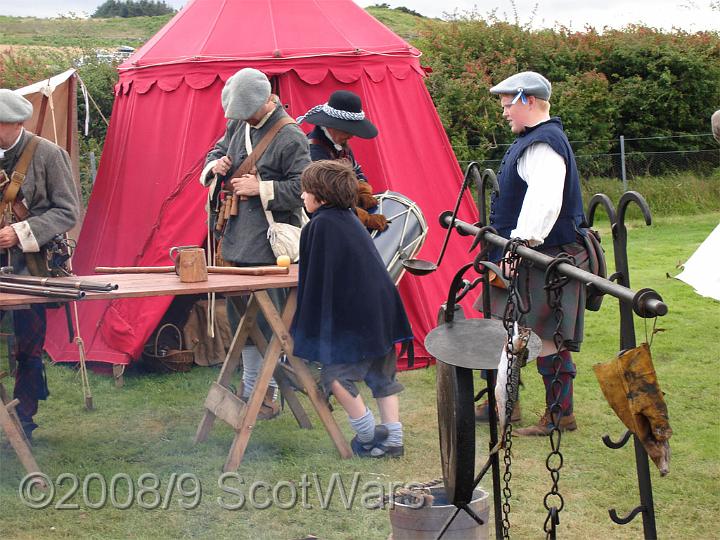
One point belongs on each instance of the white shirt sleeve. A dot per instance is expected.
(28, 242)
(543, 170)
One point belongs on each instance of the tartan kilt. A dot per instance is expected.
(540, 317)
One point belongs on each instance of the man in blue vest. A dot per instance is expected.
(540, 202)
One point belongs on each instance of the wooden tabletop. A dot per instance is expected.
(137, 285)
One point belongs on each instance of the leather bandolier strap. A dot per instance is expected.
(227, 207)
(17, 177)
(249, 162)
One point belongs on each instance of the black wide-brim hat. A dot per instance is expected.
(343, 111)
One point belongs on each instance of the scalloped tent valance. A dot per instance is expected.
(310, 75)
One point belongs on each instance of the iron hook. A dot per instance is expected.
(627, 519)
(633, 196)
(600, 199)
(619, 444)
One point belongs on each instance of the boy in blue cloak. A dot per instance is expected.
(349, 314)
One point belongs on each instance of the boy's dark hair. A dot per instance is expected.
(331, 181)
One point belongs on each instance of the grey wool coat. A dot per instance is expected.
(49, 193)
(245, 239)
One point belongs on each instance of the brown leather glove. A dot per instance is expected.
(365, 196)
(376, 222)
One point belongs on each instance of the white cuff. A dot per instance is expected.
(267, 192)
(204, 178)
(28, 242)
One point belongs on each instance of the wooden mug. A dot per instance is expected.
(190, 263)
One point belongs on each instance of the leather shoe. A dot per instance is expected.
(269, 408)
(482, 415)
(28, 428)
(545, 426)
(364, 449)
(381, 451)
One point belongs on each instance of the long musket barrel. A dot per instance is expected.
(58, 283)
(36, 290)
(237, 270)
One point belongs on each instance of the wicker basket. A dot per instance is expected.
(168, 360)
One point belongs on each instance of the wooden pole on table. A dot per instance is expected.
(237, 270)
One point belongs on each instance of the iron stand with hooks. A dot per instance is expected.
(645, 303)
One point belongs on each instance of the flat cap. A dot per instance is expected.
(244, 93)
(527, 82)
(13, 107)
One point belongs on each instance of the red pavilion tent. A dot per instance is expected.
(167, 115)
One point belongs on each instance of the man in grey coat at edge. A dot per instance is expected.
(248, 102)
(50, 196)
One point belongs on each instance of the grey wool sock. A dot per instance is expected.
(395, 434)
(364, 426)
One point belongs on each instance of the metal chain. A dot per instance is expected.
(514, 312)
(553, 500)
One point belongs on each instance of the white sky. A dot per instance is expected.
(689, 15)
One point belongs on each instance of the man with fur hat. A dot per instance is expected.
(45, 204)
(540, 202)
(336, 122)
(273, 184)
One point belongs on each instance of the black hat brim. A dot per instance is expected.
(364, 129)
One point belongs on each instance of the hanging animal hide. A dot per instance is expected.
(631, 388)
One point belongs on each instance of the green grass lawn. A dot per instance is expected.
(148, 427)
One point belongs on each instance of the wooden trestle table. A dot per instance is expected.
(221, 401)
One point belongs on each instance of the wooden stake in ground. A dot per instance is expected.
(87, 393)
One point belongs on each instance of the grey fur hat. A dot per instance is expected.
(526, 83)
(244, 93)
(14, 107)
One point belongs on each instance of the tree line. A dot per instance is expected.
(131, 8)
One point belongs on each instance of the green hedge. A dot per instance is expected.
(637, 82)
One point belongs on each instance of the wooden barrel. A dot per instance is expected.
(424, 523)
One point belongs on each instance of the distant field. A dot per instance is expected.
(77, 32)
